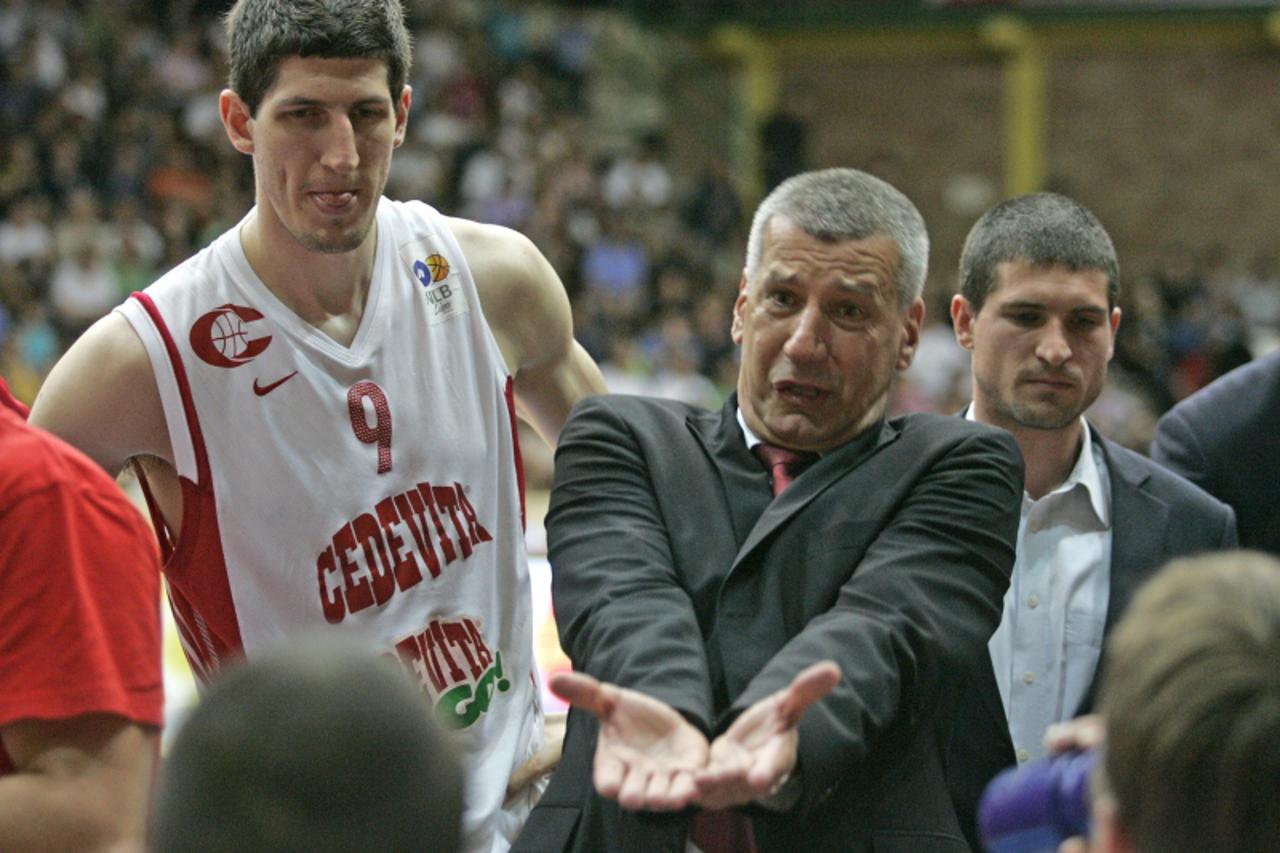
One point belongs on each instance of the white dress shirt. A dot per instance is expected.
(1046, 650)
(751, 438)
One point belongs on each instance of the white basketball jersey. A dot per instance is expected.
(373, 490)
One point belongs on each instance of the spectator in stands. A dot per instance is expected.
(24, 237)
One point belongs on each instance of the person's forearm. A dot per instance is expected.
(41, 813)
(81, 784)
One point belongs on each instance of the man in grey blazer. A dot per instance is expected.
(776, 668)
(1225, 438)
(1039, 280)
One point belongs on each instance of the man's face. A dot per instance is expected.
(1040, 345)
(822, 337)
(321, 145)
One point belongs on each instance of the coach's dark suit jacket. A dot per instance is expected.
(1155, 516)
(1225, 438)
(677, 574)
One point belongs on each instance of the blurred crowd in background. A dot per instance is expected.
(114, 167)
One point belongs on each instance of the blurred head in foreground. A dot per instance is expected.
(316, 748)
(1191, 698)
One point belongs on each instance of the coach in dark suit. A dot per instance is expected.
(1225, 438)
(1037, 309)
(694, 602)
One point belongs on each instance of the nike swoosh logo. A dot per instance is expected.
(264, 390)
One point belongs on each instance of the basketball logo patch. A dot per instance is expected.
(441, 287)
(435, 268)
(221, 337)
(439, 267)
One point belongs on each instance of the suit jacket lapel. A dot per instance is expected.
(743, 479)
(814, 481)
(1137, 517)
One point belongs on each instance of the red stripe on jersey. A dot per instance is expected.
(196, 569)
(510, 394)
(184, 386)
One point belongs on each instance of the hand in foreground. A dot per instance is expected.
(646, 753)
(1081, 733)
(544, 760)
(758, 752)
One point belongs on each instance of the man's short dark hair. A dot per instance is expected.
(1191, 696)
(317, 748)
(1040, 229)
(263, 33)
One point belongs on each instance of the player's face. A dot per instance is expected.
(1040, 344)
(822, 336)
(321, 143)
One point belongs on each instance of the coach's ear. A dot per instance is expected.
(739, 311)
(237, 120)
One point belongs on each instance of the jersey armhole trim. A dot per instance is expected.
(199, 453)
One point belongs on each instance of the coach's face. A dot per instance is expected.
(822, 337)
(1041, 344)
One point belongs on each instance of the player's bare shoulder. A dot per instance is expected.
(505, 263)
(101, 397)
(520, 293)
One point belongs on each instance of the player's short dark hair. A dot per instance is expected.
(262, 33)
(1040, 229)
(317, 748)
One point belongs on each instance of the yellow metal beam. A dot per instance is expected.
(1101, 34)
(757, 97)
(1025, 98)
(1024, 46)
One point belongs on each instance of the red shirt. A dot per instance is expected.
(79, 586)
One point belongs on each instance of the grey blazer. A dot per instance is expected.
(676, 573)
(1156, 516)
(1225, 438)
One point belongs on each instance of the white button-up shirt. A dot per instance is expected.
(1046, 650)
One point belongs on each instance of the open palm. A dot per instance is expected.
(646, 753)
(758, 752)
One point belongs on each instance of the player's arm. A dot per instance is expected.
(81, 784)
(528, 311)
(101, 397)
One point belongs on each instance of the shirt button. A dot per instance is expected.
(1028, 678)
(1023, 756)
(1033, 601)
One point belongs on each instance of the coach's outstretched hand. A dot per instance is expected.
(758, 752)
(650, 757)
(646, 754)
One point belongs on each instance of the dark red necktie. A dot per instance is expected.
(785, 465)
(729, 831)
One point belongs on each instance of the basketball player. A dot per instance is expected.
(322, 404)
